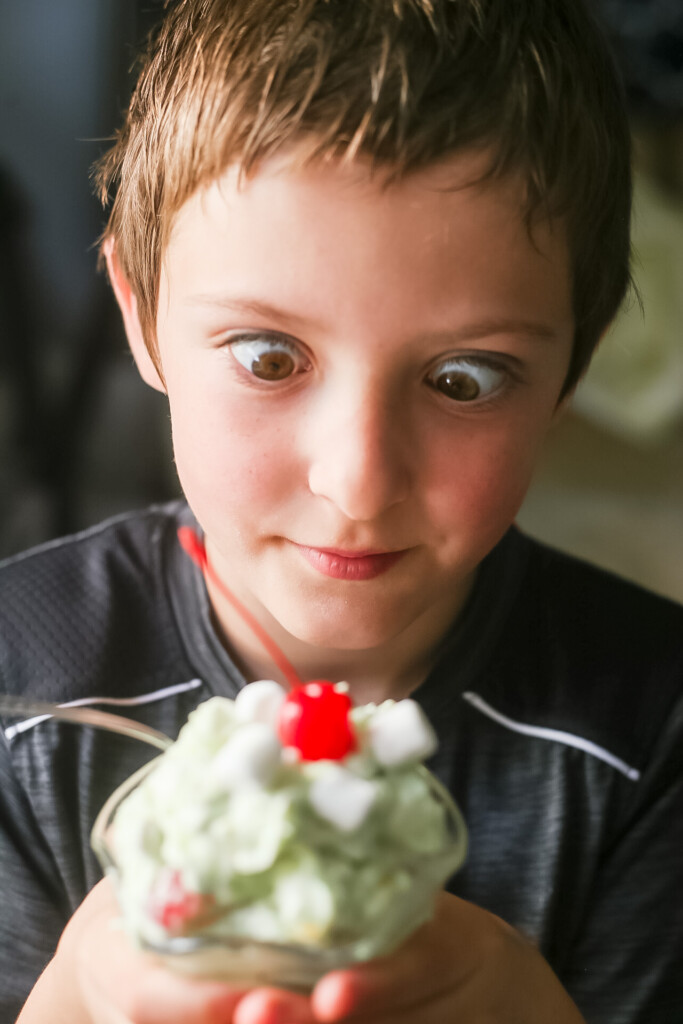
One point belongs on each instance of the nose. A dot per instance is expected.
(359, 452)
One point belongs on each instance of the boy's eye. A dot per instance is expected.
(267, 358)
(464, 379)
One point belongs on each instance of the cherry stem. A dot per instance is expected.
(193, 545)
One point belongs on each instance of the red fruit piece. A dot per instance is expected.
(173, 907)
(314, 719)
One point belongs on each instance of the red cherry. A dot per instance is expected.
(314, 719)
(174, 907)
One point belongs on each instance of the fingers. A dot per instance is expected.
(431, 961)
(465, 965)
(160, 997)
(462, 965)
(410, 976)
(439, 1009)
(274, 1006)
(121, 985)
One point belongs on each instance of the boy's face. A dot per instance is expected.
(359, 381)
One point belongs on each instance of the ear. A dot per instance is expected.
(131, 321)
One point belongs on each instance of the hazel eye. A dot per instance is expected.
(269, 359)
(466, 380)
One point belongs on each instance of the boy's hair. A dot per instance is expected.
(401, 82)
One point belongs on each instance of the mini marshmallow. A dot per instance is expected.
(251, 757)
(291, 756)
(343, 799)
(402, 734)
(260, 702)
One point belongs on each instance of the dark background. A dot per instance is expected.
(80, 436)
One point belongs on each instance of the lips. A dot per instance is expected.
(346, 565)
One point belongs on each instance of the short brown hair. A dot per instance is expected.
(403, 82)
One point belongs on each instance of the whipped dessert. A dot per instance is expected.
(292, 819)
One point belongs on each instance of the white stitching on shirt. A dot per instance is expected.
(556, 735)
(143, 698)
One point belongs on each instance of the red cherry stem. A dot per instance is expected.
(194, 546)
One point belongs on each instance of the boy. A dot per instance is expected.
(366, 249)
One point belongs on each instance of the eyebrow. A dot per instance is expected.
(487, 328)
(255, 306)
(472, 331)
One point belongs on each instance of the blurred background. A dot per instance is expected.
(82, 438)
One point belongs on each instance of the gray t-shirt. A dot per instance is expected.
(557, 698)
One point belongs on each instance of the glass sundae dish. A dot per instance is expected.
(282, 835)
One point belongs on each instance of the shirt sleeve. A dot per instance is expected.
(626, 966)
(31, 896)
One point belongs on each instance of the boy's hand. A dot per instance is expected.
(98, 977)
(465, 966)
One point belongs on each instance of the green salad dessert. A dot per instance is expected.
(292, 819)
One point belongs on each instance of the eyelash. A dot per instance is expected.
(273, 343)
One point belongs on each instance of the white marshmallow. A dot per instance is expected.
(260, 702)
(251, 757)
(343, 799)
(291, 756)
(402, 734)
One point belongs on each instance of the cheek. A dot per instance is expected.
(229, 461)
(479, 485)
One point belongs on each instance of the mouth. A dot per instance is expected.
(350, 565)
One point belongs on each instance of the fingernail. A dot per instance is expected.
(273, 1006)
(333, 997)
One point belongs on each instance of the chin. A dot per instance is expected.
(340, 631)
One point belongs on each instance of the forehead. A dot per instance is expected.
(340, 240)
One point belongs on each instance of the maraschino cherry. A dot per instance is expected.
(314, 719)
(176, 909)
